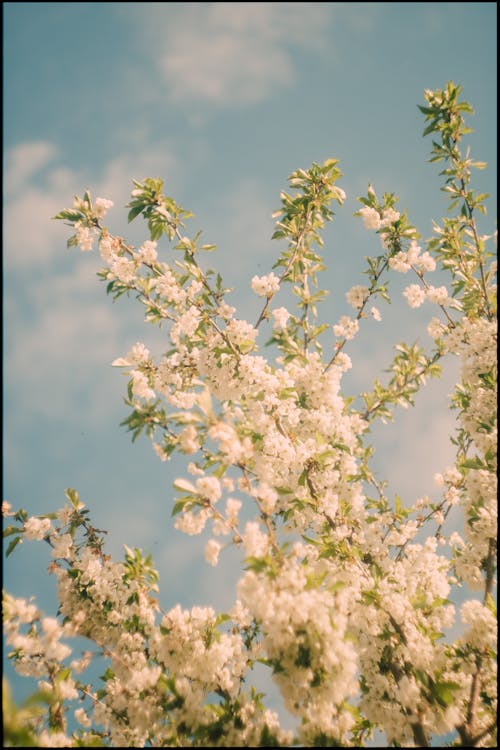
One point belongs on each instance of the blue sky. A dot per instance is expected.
(223, 101)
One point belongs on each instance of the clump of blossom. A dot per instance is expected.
(140, 386)
(438, 295)
(389, 216)
(212, 551)
(101, 207)
(415, 295)
(482, 633)
(265, 286)
(84, 237)
(240, 332)
(371, 217)
(147, 252)
(37, 528)
(346, 327)
(357, 295)
(281, 316)
(125, 270)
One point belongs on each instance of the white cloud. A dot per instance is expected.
(61, 330)
(410, 450)
(235, 52)
(24, 161)
(31, 237)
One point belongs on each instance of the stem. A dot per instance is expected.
(340, 345)
(299, 246)
(381, 402)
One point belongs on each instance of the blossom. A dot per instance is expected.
(357, 295)
(140, 386)
(61, 545)
(375, 313)
(37, 528)
(212, 550)
(389, 216)
(108, 248)
(240, 332)
(346, 327)
(256, 543)
(281, 316)
(265, 286)
(399, 262)
(414, 294)
(439, 295)
(188, 440)
(101, 206)
(209, 488)
(425, 262)
(123, 269)
(483, 625)
(84, 237)
(147, 252)
(435, 329)
(225, 311)
(82, 717)
(371, 217)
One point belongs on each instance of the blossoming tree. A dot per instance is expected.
(337, 597)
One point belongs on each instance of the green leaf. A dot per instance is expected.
(178, 506)
(9, 530)
(444, 692)
(73, 497)
(69, 214)
(13, 544)
(134, 212)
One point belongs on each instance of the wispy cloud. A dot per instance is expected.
(60, 328)
(24, 161)
(38, 187)
(234, 53)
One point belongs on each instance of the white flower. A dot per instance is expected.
(426, 262)
(37, 528)
(343, 362)
(209, 487)
(389, 217)
(188, 440)
(435, 328)
(415, 296)
(339, 194)
(140, 386)
(280, 315)
(374, 312)
(123, 269)
(241, 332)
(147, 252)
(483, 631)
(399, 262)
(212, 550)
(61, 545)
(107, 248)
(371, 217)
(190, 523)
(255, 542)
(225, 311)
(82, 717)
(357, 295)
(439, 295)
(84, 237)
(346, 327)
(265, 286)
(101, 206)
